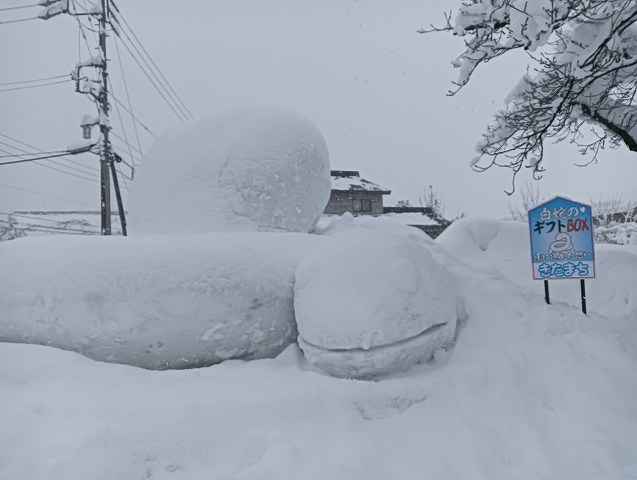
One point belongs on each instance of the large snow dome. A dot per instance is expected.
(372, 301)
(255, 169)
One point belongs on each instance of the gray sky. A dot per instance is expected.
(357, 69)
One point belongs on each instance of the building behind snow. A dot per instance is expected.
(351, 193)
(358, 196)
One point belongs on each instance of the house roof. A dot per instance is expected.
(351, 181)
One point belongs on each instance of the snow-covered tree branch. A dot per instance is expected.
(580, 84)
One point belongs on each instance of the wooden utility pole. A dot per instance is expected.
(105, 152)
(53, 8)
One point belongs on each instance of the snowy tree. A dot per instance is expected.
(529, 197)
(581, 78)
(615, 220)
(403, 203)
(431, 199)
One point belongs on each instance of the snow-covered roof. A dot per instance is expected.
(351, 181)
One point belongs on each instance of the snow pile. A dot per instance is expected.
(372, 301)
(501, 249)
(528, 391)
(153, 302)
(239, 170)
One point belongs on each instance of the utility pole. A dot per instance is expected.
(98, 90)
(105, 152)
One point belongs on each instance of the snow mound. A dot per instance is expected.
(372, 301)
(153, 302)
(502, 249)
(238, 170)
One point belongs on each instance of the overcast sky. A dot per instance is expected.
(358, 69)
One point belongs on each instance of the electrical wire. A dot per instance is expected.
(46, 195)
(139, 122)
(91, 171)
(180, 101)
(34, 153)
(54, 77)
(130, 104)
(85, 175)
(45, 157)
(156, 72)
(125, 141)
(183, 112)
(130, 152)
(20, 7)
(177, 113)
(24, 87)
(19, 20)
(56, 169)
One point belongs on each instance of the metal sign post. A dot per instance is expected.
(562, 243)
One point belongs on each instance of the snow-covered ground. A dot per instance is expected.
(528, 391)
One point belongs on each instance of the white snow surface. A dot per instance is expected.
(253, 169)
(355, 183)
(502, 250)
(527, 391)
(153, 301)
(371, 301)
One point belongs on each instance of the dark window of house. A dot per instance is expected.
(362, 205)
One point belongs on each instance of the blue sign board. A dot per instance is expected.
(562, 240)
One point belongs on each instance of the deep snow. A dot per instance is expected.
(153, 301)
(528, 391)
(250, 169)
(371, 301)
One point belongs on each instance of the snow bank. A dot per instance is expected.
(502, 250)
(372, 301)
(239, 170)
(528, 390)
(154, 302)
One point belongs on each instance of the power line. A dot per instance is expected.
(45, 157)
(180, 101)
(68, 160)
(165, 84)
(179, 115)
(33, 153)
(6, 9)
(173, 99)
(128, 145)
(130, 104)
(54, 163)
(19, 20)
(34, 122)
(56, 169)
(43, 79)
(24, 87)
(130, 152)
(46, 195)
(139, 122)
